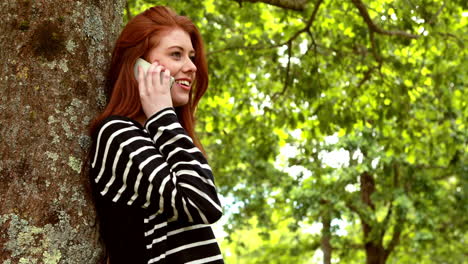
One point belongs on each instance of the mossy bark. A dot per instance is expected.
(53, 56)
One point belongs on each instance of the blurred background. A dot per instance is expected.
(337, 130)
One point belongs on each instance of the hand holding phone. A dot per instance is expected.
(145, 65)
(153, 97)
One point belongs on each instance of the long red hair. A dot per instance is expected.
(134, 42)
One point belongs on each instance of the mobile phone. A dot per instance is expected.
(145, 65)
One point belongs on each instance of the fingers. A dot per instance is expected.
(166, 76)
(155, 93)
(158, 76)
(153, 78)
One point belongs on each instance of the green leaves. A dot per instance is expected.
(295, 115)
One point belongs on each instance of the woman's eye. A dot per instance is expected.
(192, 58)
(177, 55)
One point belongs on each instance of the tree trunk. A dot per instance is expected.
(53, 58)
(326, 237)
(375, 251)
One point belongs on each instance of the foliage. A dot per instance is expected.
(322, 113)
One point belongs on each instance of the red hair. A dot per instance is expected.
(134, 42)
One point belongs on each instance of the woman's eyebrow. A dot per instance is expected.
(181, 48)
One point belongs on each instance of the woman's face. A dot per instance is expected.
(176, 53)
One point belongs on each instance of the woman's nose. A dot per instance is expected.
(189, 66)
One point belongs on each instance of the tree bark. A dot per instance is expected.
(53, 55)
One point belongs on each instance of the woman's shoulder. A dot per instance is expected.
(115, 122)
(120, 118)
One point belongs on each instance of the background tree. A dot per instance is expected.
(378, 85)
(53, 58)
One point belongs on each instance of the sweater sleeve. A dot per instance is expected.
(157, 168)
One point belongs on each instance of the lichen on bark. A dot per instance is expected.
(44, 244)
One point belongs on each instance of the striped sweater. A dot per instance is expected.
(154, 192)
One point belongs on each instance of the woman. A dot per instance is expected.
(153, 189)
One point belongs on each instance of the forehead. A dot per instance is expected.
(175, 38)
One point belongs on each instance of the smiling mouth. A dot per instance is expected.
(183, 82)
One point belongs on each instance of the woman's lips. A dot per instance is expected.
(184, 83)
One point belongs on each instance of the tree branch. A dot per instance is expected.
(400, 218)
(395, 238)
(434, 17)
(264, 46)
(129, 14)
(396, 184)
(443, 177)
(353, 208)
(374, 48)
(289, 42)
(310, 46)
(430, 167)
(250, 47)
(367, 76)
(459, 41)
(356, 209)
(286, 79)
(296, 5)
(447, 171)
(308, 24)
(348, 246)
(374, 28)
(319, 80)
(399, 225)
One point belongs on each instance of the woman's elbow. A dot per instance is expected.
(214, 215)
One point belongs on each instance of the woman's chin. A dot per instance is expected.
(179, 100)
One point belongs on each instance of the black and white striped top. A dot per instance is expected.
(154, 192)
